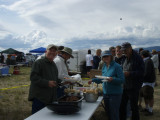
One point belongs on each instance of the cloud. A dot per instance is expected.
(43, 21)
(138, 36)
(80, 24)
(25, 43)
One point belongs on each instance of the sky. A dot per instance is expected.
(78, 24)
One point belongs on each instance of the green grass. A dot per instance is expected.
(14, 104)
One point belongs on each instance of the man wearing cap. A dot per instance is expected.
(44, 79)
(155, 60)
(133, 69)
(60, 62)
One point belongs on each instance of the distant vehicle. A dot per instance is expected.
(29, 58)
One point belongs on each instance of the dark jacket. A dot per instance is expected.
(149, 72)
(42, 72)
(135, 66)
(96, 60)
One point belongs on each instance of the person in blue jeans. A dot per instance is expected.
(112, 89)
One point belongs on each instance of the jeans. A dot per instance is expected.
(37, 105)
(112, 104)
(132, 96)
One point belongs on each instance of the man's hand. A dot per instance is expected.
(89, 82)
(66, 82)
(52, 84)
(126, 73)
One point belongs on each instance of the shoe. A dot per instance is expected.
(144, 110)
(148, 113)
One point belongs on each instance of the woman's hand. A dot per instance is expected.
(110, 79)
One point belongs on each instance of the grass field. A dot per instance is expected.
(14, 104)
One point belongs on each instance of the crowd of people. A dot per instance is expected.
(13, 59)
(139, 70)
(130, 75)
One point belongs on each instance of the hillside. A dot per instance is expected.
(157, 48)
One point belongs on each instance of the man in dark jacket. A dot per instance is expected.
(96, 59)
(147, 89)
(44, 79)
(133, 68)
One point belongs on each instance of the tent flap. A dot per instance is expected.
(11, 51)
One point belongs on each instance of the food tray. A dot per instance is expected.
(66, 107)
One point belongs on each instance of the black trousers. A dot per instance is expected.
(88, 68)
(37, 105)
(131, 95)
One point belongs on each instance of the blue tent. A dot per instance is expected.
(38, 50)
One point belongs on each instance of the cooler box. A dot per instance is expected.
(16, 72)
(4, 70)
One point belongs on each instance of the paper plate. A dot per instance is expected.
(104, 80)
(101, 77)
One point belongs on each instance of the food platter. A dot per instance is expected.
(101, 77)
(71, 79)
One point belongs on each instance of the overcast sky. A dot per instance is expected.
(79, 24)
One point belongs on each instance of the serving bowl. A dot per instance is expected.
(90, 97)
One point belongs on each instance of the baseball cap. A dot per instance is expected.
(106, 53)
(52, 46)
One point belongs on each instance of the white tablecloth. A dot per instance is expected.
(85, 113)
